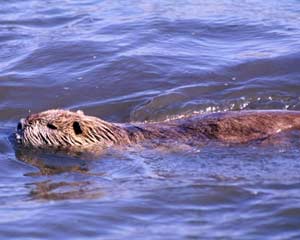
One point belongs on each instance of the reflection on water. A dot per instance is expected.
(50, 163)
(150, 61)
(62, 191)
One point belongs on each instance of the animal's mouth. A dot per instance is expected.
(20, 129)
(18, 137)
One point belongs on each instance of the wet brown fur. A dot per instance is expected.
(66, 129)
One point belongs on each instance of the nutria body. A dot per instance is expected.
(66, 129)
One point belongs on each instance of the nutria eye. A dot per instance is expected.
(77, 128)
(51, 126)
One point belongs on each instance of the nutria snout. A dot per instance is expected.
(67, 129)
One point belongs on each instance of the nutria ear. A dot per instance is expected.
(76, 127)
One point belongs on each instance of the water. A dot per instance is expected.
(150, 60)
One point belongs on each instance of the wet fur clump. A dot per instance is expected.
(62, 129)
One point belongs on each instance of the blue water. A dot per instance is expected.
(150, 60)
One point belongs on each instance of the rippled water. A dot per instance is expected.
(150, 60)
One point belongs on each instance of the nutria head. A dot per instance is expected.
(64, 129)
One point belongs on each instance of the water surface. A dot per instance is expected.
(150, 60)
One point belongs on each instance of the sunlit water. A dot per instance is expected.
(150, 60)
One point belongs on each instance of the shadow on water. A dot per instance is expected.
(56, 164)
(48, 161)
(51, 163)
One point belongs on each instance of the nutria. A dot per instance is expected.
(66, 129)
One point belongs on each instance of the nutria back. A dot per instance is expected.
(66, 129)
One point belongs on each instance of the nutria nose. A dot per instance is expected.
(21, 124)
